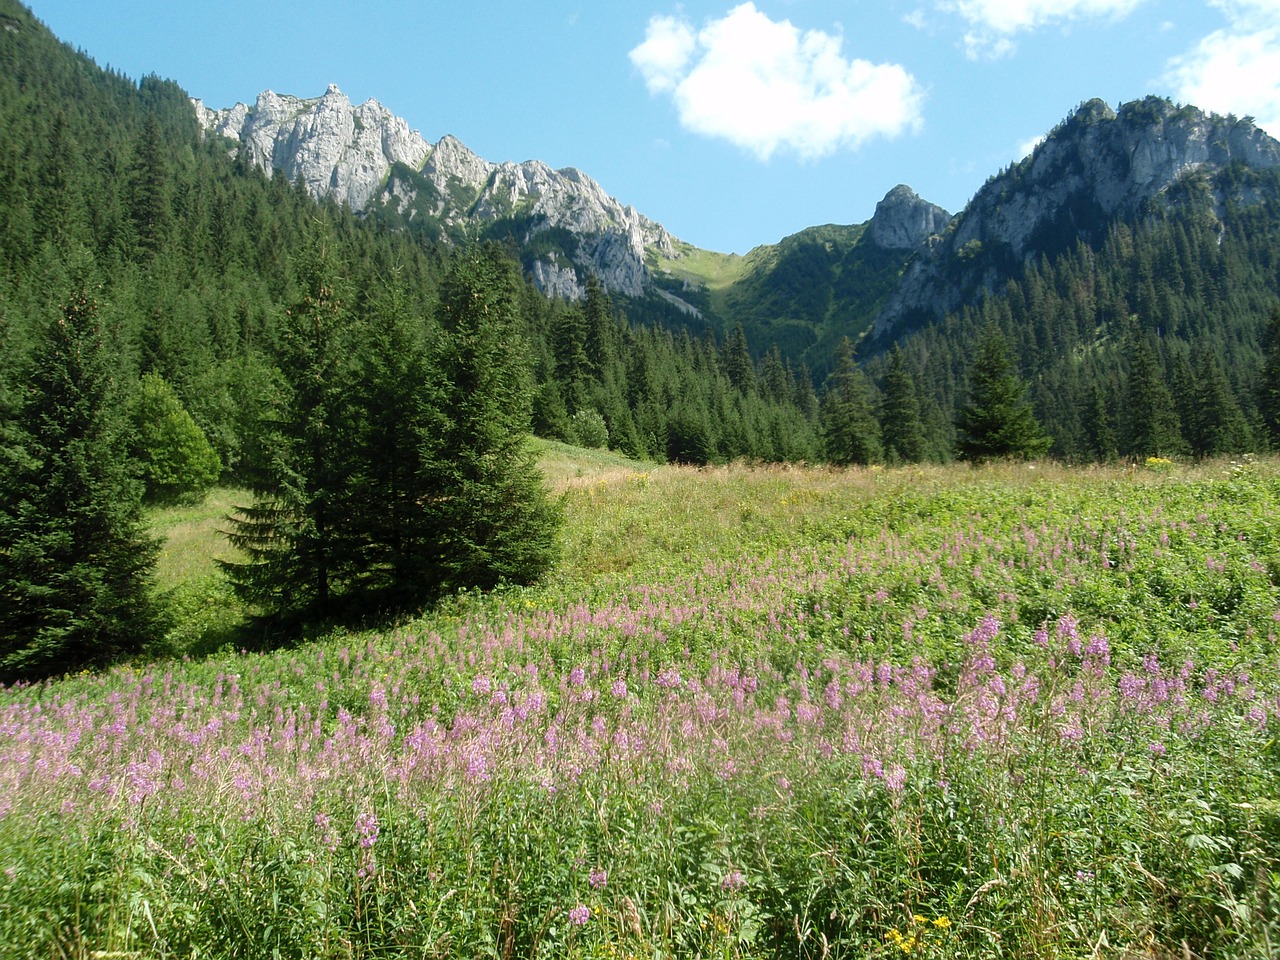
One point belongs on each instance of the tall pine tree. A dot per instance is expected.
(850, 432)
(1217, 425)
(1151, 426)
(75, 559)
(299, 556)
(493, 520)
(997, 422)
(395, 425)
(900, 423)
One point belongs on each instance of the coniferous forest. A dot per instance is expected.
(172, 318)
(358, 600)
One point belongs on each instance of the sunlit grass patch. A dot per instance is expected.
(194, 536)
(757, 712)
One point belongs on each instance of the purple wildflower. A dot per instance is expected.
(367, 827)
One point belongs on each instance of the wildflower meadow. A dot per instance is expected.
(938, 712)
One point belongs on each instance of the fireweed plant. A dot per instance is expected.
(937, 713)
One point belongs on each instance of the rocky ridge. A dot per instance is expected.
(903, 221)
(363, 155)
(1098, 166)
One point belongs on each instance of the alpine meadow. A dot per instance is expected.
(404, 555)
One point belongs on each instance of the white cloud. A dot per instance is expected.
(1028, 147)
(767, 86)
(995, 23)
(1235, 69)
(665, 53)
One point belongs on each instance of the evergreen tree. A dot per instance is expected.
(777, 382)
(394, 420)
(1217, 426)
(850, 432)
(75, 560)
(996, 422)
(1151, 421)
(152, 219)
(900, 425)
(601, 331)
(804, 396)
(1099, 428)
(572, 367)
(493, 520)
(299, 557)
(736, 360)
(1269, 388)
(178, 462)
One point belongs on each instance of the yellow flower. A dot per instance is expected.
(919, 919)
(942, 922)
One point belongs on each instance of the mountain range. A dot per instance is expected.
(910, 265)
(1141, 239)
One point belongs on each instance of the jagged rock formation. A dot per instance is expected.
(903, 221)
(1098, 166)
(366, 157)
(334, 148)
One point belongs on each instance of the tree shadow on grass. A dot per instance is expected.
(206, 619)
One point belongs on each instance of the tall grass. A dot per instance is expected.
(755, 713)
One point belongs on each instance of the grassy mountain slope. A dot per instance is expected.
(802, 294)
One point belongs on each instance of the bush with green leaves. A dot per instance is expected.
(178, 462)
(588, 429)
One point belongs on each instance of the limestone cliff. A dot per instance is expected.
(366, 157)
(1098, 166)
(336, 149)
(903, 221)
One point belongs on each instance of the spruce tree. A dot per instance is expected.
(601, 331)
(850, 432)
(1099, 429)
(1269, 389)
(900, 425)
(75, 559)
(735, 359)
(1151, 426)
(572, 366)
(395, 424)
(997, 422)
(293, 534)
(493, 520)
(1217, 426)
(150, 183)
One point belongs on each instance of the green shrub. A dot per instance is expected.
(178, 462)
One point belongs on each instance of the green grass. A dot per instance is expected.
(205, 614)
(193, 536)
(756, 712)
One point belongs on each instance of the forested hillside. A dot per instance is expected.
(1161, 339)
(171, 318)
(198, 258)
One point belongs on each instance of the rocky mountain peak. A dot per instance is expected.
(332, 147)
(903, 221)
(336, 149)
(1096, 167)
(1093, 111)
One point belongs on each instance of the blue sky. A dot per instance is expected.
(733, 124)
